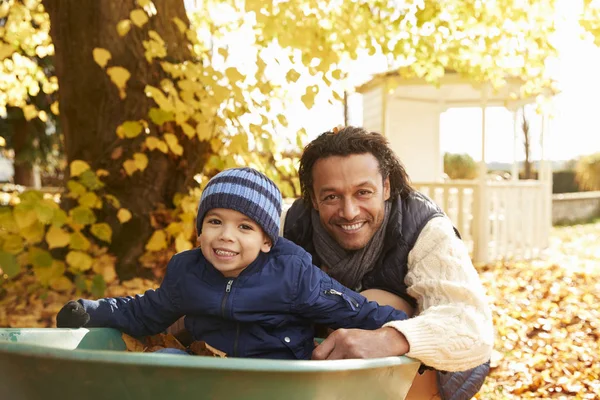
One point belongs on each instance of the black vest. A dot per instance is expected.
(408, 217)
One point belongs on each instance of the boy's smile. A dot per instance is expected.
(231, 241)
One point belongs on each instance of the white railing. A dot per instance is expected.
(456, 198)
(497, 219)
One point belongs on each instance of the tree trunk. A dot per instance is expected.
(22, 166)
(91, 109)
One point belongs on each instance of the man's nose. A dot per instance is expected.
(349, 209)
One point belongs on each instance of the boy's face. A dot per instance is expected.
(230, 241)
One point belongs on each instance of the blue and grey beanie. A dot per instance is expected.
(247, 191)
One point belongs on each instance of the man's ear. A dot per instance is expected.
(386, 189)
(267, 245)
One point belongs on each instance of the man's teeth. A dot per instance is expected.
(225, 253)
(352, 227)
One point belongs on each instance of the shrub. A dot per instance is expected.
(460, 166)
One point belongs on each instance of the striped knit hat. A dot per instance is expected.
(247, 191)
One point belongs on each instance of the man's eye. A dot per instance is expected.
(330, 197)
(364, 192)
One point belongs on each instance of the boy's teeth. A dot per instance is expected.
(352, 227)
(225, 253)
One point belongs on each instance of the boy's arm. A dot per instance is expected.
(324, 300)
(140, 315)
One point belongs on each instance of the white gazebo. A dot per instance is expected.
(498, 219)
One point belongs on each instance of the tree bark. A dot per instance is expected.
(91, 109)
(23, 167)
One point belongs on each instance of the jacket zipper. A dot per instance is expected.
(224, 302)
(353, 303)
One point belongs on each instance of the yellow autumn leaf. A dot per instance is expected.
(308, 98)
(101, 56)
(105, 266)
(102, 231)
(173, 143)
(123, 27)
(182, 244)
(30, 112)
(78, 167)
(129, 129)
(12, 244)
(188, 130)
(78, 241)
(180, 24)
(159, 97)
(45, 275)
(79, 261)
(119, 76)
(112, 200)
(152, 142)
(204, 131)
(292, 75)
(24, 217)
(233, 75)
(162, 146)
(102, 172)
(140, 160)
(130, 167)
(57, 237)
(90, 200)
(54, 108)
(123, 215)
(61, 284)
(138, 17)
(158, 241)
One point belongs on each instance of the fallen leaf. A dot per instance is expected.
(132, 344)
(201, 348)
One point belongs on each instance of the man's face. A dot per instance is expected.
(349, 194)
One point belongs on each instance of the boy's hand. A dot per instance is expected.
(72, 315)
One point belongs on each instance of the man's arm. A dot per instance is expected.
(453, 328)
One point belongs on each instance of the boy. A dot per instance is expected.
(245, 290)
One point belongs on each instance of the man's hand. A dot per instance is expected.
(359, 343)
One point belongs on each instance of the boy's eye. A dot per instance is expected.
(246, 227)
(213, 221)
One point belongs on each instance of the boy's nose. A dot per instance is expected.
(226, 233)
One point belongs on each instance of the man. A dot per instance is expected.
(366, 227)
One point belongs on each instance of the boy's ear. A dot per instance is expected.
(267, 245)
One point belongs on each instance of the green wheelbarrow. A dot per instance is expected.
(50, 363)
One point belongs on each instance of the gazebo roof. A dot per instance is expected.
(452, 89)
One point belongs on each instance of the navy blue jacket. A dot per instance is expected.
(268, 311)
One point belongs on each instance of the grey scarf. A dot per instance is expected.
(348, 267)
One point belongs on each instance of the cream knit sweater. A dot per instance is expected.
(452, 329)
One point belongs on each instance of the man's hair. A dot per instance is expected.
(348, 141)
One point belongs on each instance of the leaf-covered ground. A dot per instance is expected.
(547, 319)
(546, 314)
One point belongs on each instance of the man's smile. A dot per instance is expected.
(351, 228)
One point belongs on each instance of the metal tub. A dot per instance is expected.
(92, 364)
